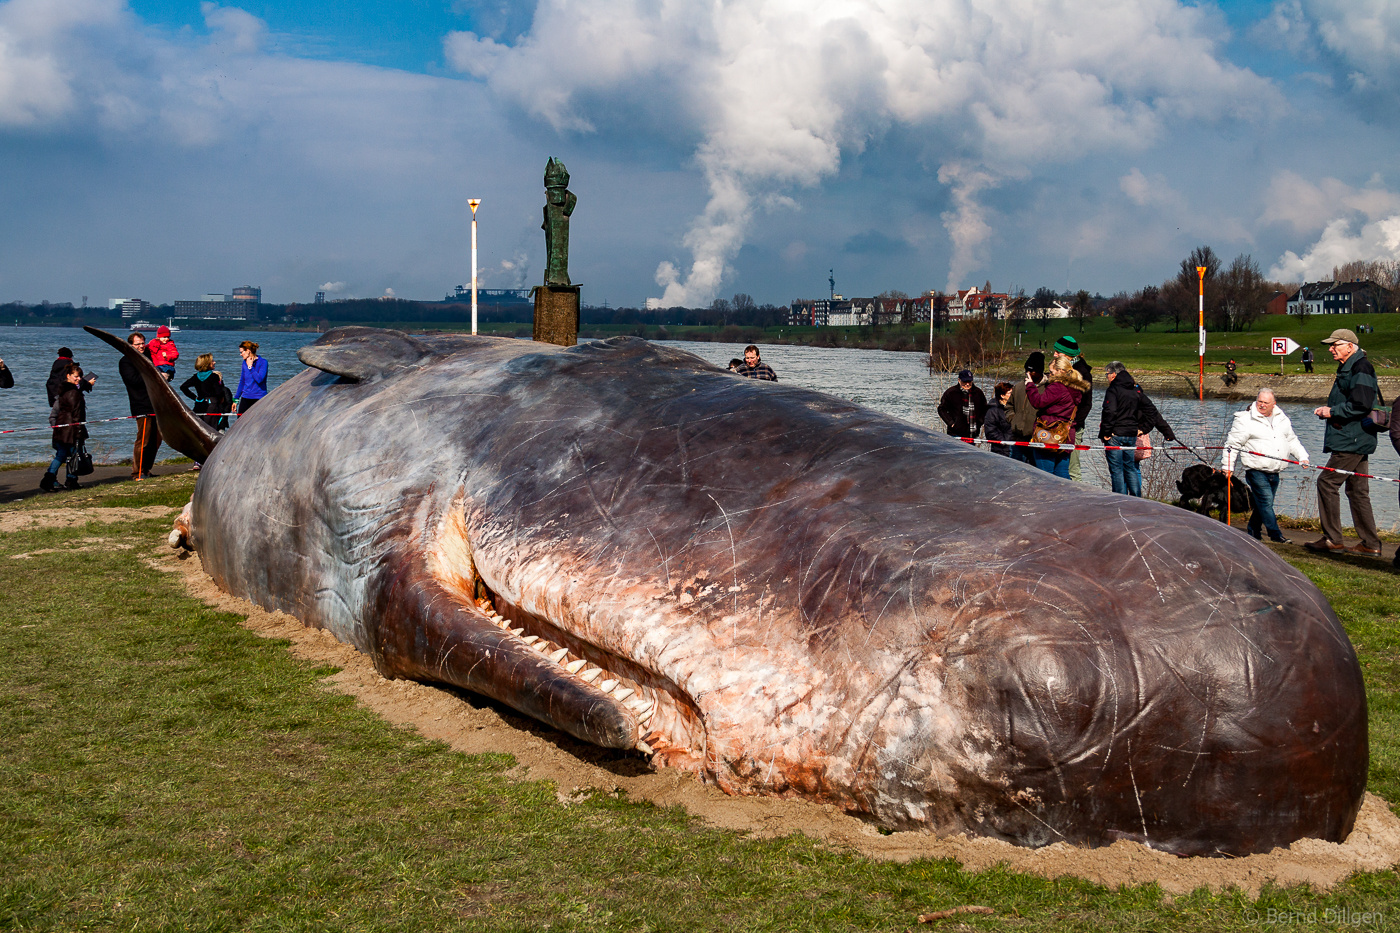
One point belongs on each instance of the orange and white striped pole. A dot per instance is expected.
(1201, 305)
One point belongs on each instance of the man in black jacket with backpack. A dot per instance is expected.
(1127, 413)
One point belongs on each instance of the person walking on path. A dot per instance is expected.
(754, 367)
(1127, 414)
(997, 424)
(1068, 349)
(207, 389)
(1350, 446)
(252, 378)
(57, 376)
(164, 354)
(143, 453)
(963, 407)
(67, 416)
(1264, 439)
(1056, 401)
(1307, 359)
(1023, 413)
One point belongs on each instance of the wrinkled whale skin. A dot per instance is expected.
(819, 600)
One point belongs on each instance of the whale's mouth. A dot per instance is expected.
(666, 718)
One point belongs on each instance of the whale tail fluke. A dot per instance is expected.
(179, 428)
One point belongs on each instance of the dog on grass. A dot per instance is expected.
(1203, 489)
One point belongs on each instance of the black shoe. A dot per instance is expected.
(48, 482)
(72, 483)
(1254, 534)
(1278, 540)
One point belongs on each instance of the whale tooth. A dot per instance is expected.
(607, 686)
(559, 655)
(644, 747)
(516, 631)
(541, 646)
(623, 694)
(590, 676)
(645, 717)
(573, 666)
(530, 639)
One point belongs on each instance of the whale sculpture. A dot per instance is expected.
(785, 593)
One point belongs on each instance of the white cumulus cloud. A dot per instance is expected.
(771, 95)
(1341, 242)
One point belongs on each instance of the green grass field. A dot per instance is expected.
(165, 769)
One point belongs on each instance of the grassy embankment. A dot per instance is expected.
(1155, 348)
(164, 769)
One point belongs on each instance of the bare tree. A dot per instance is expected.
(1178, 303)
(1142, 309)
(1043, 302)
(742, 302)
(1082, 309)
(1243, 295)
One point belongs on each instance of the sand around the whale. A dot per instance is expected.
(473, 725)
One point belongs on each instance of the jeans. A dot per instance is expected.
(61, 453)
(1123, 467)
(1052, 461)
(1263, 485)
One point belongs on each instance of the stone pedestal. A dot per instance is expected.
(556, 314)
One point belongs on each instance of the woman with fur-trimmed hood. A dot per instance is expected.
(1055, 401)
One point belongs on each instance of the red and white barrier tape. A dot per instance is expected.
(1302, 463)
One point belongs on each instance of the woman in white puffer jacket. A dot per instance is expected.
(1263, 437)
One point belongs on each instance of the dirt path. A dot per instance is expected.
(472, 725)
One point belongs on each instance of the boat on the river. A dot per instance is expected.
(148, 327)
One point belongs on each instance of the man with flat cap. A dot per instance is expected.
(1353, 395)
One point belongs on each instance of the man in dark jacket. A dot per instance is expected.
(1068, 347)
(963, 407)
(143, 454)
(1352, 397)
(1127, 413)
(7, 378)
(57, 382)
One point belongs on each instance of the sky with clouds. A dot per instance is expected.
(164, 149)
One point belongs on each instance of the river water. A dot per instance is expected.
(898, 384)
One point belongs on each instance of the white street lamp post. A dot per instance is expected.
(474, 203)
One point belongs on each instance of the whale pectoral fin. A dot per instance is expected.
(424, 631)
(363, 354)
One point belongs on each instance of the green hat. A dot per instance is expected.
(1067, 345)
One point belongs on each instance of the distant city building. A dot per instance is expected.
(134, 308)
(320, 298)
(114, 303)
(239, 306)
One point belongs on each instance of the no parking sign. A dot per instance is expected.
(1282, 346)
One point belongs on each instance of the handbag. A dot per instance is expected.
(1378, 421)
(1051, 432)
(79, 460)
(1144, 448)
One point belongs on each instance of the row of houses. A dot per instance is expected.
(1356, 297)
(950, 309)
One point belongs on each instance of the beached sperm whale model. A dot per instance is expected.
(786, 593)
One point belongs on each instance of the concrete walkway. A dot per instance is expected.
(24, 483)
